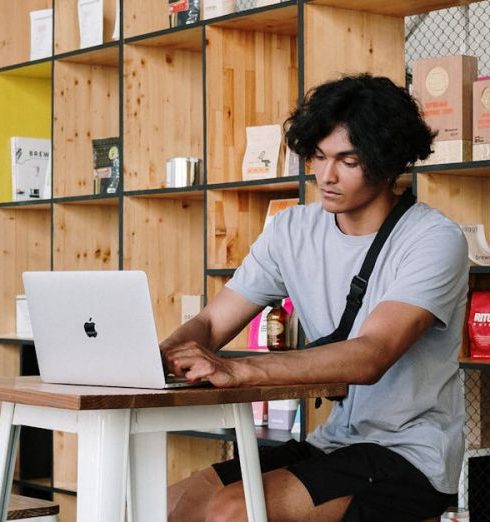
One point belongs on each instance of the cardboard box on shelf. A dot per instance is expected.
(282, 413)
(443, 85)
(481, 119)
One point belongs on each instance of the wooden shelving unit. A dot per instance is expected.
(188, 91)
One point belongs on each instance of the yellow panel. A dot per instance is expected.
(25, 106)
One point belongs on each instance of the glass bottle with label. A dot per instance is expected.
(277, 328)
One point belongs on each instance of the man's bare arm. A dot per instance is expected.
(388, 332)
(219, 322)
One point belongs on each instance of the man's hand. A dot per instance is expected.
(192, 361)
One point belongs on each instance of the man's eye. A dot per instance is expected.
(351, 164)
(319, 157)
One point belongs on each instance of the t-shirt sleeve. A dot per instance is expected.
(433, 273)
(258, 278)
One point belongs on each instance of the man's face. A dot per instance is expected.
(339, 175)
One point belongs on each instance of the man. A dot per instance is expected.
(392, 449)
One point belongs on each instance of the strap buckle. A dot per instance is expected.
(358, 287)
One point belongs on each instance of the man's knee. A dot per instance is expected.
(226, 505)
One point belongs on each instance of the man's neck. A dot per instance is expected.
(368, 218)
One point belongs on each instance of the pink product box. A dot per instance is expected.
(260, 410)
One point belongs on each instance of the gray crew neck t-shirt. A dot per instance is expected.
(416, 408)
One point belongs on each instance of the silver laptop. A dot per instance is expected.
(95, 328)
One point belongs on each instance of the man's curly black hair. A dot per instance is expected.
(383, 121)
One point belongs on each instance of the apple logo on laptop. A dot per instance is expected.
(89, 328)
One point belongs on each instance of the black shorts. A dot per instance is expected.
(385, 487)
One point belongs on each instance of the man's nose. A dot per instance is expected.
(328, 172)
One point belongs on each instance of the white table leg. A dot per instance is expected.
(147, 491)
(249, 462)
(103, 440)
(9, 439)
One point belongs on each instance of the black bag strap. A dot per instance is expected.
(359, 282)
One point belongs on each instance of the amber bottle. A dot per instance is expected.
(277, 328)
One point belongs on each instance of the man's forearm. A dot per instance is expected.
(197, 329)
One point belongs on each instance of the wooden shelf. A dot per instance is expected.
(163, 84)
(111, 200)
(235, 219)
(11, 338)
(195, 193)
(290, 183)
(86, 107)
(276, 18)
(26, 237)
(15, 29)
(399, 8)
(67, 34)
(183, 38)
(86, 237)
(265, 436)
(138, 21)
(252, 79)
(173, 261)
(468, 168)
(106, 54)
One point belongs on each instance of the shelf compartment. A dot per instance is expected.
(15, 29)
(463, 199)
(341, 41)
(265, 436)
(252, 79)
(163, 108)
(138, 20)
(278, 19)
(86, 237)
(26, 235)
(400, 8)
(86, 107)
(214, 285)
(24, 91)
(235, 219)
(165, 239)
(65, 460)
(67, 34)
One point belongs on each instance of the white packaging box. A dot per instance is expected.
(31, 168)
(22, 319)
(191, 305)
(215, 8)
(41, 33)
(91, 22)
(282, 413)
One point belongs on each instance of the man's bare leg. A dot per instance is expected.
(188, 499)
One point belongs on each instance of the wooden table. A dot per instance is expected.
(120, 434)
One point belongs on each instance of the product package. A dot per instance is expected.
(183, 12)
(105, 153)
(215, 8)
(259, 410)
(41, 33)
(444, 86)
(191, 305)
(23, 326)
(261, 158)
(31, 168)
(478, 248)
(481, 119)
(282, 414)
(479, 324)
(91, 22)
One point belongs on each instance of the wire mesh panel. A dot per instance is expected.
(459, 30)
(474, 490)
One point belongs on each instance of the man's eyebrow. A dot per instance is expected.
(341, 154)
